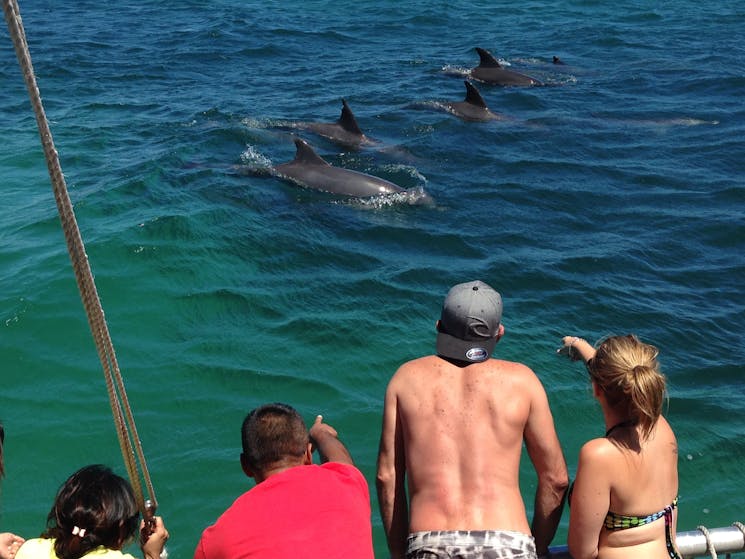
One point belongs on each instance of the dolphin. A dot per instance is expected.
(491, 71)
(345, 131)
(473, 107)
(310, 170)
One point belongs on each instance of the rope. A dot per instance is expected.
(709, 545)
(129, 441)
(740, 526)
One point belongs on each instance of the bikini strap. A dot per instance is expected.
(672, 551)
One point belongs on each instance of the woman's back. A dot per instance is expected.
(643, 488)
(625, 496)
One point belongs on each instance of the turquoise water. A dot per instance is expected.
(610, 201)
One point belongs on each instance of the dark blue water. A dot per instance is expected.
(609, 201)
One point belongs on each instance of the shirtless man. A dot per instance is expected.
(454, 423)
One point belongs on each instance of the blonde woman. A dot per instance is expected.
(624, 498)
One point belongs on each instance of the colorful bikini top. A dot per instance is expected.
(614, 521)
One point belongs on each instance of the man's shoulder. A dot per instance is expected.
(328, 472)
(515, 376)
(414, 367)
(430, 363)
(424, 360)
(348, 472)
(287, 481)
(341, 467)
(519, 370)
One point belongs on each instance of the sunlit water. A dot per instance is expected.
(609, 201)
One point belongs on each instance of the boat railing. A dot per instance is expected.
(701, 542)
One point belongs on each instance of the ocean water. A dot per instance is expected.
(609, 201)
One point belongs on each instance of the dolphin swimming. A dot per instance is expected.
(473, 107)
(310, 170)
(345, 131)
(491, 71)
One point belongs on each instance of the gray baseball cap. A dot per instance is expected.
(469, 322)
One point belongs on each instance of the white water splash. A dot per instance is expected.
(457, 71)
(255, 160)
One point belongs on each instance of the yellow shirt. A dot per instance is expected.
(43, 548)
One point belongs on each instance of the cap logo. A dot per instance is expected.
(477, 354)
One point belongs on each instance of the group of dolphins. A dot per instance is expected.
(310, 170)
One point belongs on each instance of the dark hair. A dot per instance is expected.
(94, 507)
(272, 433)
(628, 372)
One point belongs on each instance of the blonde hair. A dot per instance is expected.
(628, 373)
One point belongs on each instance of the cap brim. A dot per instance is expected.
(465, 350)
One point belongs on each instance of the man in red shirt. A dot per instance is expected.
(297, 509)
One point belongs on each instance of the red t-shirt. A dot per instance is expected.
(305, 512)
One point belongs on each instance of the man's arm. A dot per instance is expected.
(390, 481)
(325, 438)
(544, 450)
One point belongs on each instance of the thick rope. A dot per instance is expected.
(709, 545)
(129, 441)
(740, 526)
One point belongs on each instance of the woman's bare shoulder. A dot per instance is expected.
(600, 451)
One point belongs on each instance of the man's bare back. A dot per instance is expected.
(444, 409)
(455, 431)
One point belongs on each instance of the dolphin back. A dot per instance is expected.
(305, 154)
(491, 71)
(473, 97)
(487, 59)
(347, 120)
(312, 171)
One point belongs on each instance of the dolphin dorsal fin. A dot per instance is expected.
(487, 59)
(347, 120)
(473, 97)
(305, 154)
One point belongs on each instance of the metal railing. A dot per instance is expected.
(696, 543)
